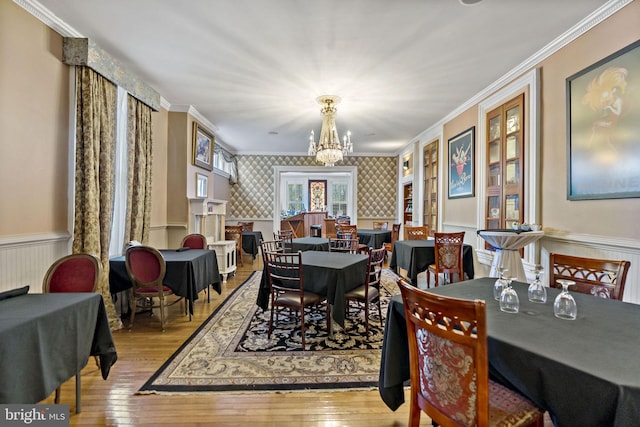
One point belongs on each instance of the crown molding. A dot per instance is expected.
(593, 19)
(48, 18)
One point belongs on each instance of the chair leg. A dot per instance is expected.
(56, 399)
(302, 327)
(162, 313)
(366, 319)
(132, 308)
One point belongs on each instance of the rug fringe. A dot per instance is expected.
(239, 392)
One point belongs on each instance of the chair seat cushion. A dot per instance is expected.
(292, 299)
(508, 408)
(154, 290)
(358, 293)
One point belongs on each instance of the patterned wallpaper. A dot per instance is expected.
(252, 197)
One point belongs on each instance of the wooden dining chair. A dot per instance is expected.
(599, 277)
(234, 232)
(351, 231)
(246, 225)
(416, 233)
(448, 361)
(395, 235)
(380, 225)
(329, 228)
(73, 273)
(448, 253)
(286, 285)
(369, 292)
(286, 239)
(273, 246)
(194, 241)
(348, 245)
(146, 268)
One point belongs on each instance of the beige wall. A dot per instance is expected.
(599, 217)
(459, 211)
(590, 217)
(34, 123)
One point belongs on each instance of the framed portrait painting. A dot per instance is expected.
(202, 147)
(603, 128)
(462, 164)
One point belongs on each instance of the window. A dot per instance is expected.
(338, 199)
(292, 184)
(295, 198)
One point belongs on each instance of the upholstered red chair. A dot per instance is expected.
(369, 292)
(73, 273)
(147, 268)
(448, 252)
(194, 241)
(448, 359)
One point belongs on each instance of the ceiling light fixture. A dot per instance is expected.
(328, 149)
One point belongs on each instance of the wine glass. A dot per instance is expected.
(509, 302)
(564, 307)
(537, 292)
(499, 285)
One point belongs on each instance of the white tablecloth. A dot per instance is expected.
(507, 256)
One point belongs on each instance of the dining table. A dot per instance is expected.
(507, 244)
(45, 339)
(416, 256)
(584, 372)
(251, 242)
(310, 244)
(373, 238)
(330, 274)
(188, 272)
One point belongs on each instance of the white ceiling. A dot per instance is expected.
(255, 67)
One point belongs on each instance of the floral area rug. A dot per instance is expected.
(231, 351)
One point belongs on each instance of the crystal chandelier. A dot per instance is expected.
(328, 149)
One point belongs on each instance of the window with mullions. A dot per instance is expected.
(339, 199)
(295, 198)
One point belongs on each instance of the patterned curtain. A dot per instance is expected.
(95, 146)
(140, 158)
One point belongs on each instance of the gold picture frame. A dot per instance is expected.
(202, 147)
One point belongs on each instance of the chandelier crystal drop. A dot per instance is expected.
(328, 150)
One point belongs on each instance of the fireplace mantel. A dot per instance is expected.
(206, 216)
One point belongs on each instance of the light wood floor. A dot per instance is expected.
(144, 349)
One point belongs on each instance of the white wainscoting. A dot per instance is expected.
(582, 245)
(597, 247)
(24, 260)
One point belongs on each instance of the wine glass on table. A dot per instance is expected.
(537, 292)
(509, 301)
(564, 307)
(499, 285)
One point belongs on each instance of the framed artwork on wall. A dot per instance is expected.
(462, 164)
(202, 147)
(317, 195)
(603, 128)
(202, 185)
